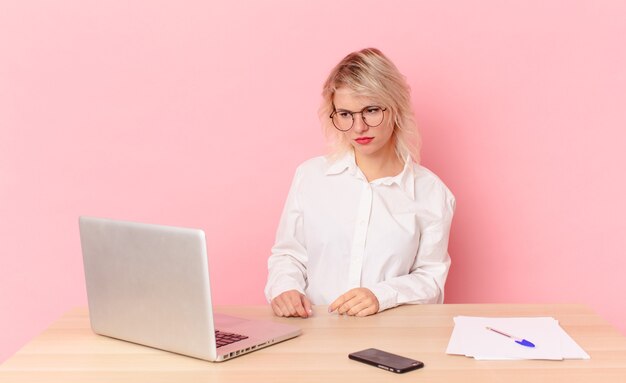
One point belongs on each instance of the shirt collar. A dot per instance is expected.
(405, 180)
(343, 163)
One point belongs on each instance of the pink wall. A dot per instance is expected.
(196, 113)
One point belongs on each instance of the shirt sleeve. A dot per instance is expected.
(288, 259)
(427, 277)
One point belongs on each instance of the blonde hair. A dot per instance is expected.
(371, 74)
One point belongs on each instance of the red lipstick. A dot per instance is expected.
(364, 140)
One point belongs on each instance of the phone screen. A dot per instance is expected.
(386, 360)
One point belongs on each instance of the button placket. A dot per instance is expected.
(360, 236)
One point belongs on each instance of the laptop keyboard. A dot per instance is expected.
(224, 338)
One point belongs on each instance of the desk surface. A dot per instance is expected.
(69, 351)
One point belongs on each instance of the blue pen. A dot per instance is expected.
(521, 341)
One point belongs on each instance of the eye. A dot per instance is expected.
(372, 110)
(344, 114)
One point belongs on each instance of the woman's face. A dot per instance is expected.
(366, 140)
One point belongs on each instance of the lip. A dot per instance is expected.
(363, 140)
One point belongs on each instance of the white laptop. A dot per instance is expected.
(149, 284)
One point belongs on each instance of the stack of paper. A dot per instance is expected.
(471, 337)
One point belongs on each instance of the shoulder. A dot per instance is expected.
(313, 165)
(426, 177)
(313, 168)
(316, 167)
(428, 186)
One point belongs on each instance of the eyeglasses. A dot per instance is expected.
(344, 119)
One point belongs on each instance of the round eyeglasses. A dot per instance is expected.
(344, 119)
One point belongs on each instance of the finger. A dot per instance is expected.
(340, 301)
(345, 299)
(276, 308)
(366, 306)
(332, 307)
(357, 307)
(349, 304)
(283, 304)
(294, 302)
(370, 306)
(307, 305)
(336, 303)
(289, 307)
(363, 299)
(298, 307)
(368, 310)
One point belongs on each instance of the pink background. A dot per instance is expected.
(196, 113)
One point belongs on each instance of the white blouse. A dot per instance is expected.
(338, 231)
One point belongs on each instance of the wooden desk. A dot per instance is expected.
(69, 352)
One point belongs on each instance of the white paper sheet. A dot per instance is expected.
(471, 338)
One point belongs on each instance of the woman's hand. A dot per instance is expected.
(358, 302)
(292, 303)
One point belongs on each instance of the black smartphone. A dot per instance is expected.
(386, 360)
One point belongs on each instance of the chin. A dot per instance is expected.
(366, 151)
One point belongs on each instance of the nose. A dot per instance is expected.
(359, 125)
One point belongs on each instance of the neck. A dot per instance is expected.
(379, 165)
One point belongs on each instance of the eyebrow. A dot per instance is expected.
(356, 111)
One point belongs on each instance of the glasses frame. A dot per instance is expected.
(362, 117)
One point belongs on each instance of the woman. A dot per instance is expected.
(365, 228)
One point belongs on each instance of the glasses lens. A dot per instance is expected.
(373, 116)
(342, 120)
